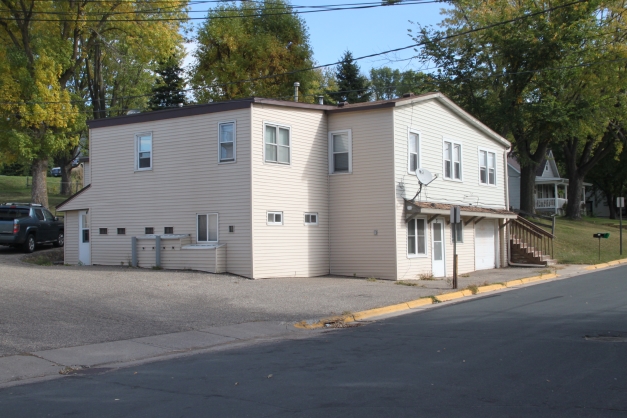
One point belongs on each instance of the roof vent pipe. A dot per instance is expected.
(296, 85)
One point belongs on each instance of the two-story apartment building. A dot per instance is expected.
(266, 188)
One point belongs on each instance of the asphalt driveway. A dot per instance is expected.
(44, 308)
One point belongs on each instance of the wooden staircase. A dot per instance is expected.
(530, 244)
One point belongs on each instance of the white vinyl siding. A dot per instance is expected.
(143, 151)
(413, 151)
(207, 227)
(416, 237)
(277, 144)
(452, 160)
(226, 136)
(487, 167)
(340, 152)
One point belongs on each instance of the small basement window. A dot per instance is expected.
(275, 218)
(121, 231)
(168, 230)
(311, 218)
(103, 231)
(149, 231)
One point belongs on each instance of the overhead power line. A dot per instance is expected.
(442, 38)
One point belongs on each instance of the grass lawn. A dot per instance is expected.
(574, 243)
(14, 189)
(605, 221)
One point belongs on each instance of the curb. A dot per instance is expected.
(608, 264)
(425, 301)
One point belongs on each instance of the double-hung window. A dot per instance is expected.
(452, 160)
(275, 218)
(487, 167)
(227, 142)
(340, 152)
(143, 151)
(277, 144)
(416, 237)
(207, 227)
(413, 148)
(311, 218)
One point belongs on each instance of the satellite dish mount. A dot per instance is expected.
(425, 178)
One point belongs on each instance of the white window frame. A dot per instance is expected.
(289, 147)
(217, 228)
(460, 240)
(411, 132)
(275, 212)
(487, 151)
(426, 237)
(227, 122)
(461, 160)
(350, 151)
(152, 151)
(311, 223)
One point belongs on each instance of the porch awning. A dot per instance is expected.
(413, 208)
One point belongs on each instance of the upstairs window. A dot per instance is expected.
(487, 167)
(452, 160)
(277, 144)
(413, 146)
(207, 227)
(311, 218)
(416, 237)
(227, 142)
(275, 218)
(340, 152)
(143, 152)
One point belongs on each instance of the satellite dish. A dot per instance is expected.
(424, 176)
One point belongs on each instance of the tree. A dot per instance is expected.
(610, 178)
(387, 83)
(45, 47)
(508, 75)
(244, 47)
(353, 87)
(169, 86)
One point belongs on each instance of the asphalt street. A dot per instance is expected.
(518, 353)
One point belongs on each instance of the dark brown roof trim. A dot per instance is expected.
(73, 196)
(178, 112)
(286, 103)
(353, 108)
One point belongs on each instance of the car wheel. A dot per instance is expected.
(29, 244)
(59, 241)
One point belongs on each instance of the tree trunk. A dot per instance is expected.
(527, 188)
(39, 190)
(573, 207)
(609, 198)
(66, 178)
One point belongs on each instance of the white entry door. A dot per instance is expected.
(438, 265)
(84, 248)
(485, 245)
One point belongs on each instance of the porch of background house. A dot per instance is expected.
(552, 197)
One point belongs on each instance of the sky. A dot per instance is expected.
(363, 32)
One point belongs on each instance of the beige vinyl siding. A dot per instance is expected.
(70, 248)
(363, 201)
(185, 179)
(435, 122)
(292, 249)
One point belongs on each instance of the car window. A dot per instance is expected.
(49, 216)
(39, 214)
(8, 214)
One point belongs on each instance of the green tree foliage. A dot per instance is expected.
(510, 75)
(49, 52)
(609, 179)
(168, 89)
(387, 83)
(353, 87)
(252, 41)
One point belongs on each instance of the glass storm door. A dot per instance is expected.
(438, 249)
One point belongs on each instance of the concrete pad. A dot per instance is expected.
(21, 367)
(184, 340)
(250, 330)
(93, 354)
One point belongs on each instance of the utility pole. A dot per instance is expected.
(455, 219)
(620, 202)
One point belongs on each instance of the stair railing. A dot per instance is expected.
(532, 236)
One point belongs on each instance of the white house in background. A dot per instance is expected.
(267, 188)
(551, 192)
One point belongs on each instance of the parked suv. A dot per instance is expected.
(28, 224)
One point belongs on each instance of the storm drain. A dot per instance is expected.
(608, 337)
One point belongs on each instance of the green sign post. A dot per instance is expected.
(600, 235)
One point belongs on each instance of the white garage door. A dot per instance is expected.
(485, 245)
